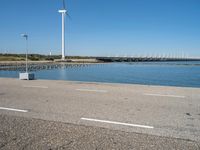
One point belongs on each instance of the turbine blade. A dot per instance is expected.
(69, 16)
(64, 5)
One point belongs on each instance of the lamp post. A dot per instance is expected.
(26, 37)
(26, 75)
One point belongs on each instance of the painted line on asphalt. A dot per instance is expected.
(90, 90)
(30, 86)
(161, 95)
(13, 109)
(118, 123)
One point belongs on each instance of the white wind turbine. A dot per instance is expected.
(63, 11)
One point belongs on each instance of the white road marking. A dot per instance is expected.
(12, 109)
(118, 123)
(30, 86)
(90, 90)
(161, 95)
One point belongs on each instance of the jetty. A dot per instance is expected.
(40, 65)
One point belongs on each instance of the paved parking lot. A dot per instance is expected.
(171, 114)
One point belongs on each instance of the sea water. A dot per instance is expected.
(185, 73)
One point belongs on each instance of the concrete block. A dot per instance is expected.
(26, 76)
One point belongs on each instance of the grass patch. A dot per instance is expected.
(11, 58)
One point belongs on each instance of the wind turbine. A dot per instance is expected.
(63, 11)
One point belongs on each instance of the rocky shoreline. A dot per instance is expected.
(41, 65)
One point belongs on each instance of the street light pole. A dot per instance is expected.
(26, 37)
(26, 75)
(26, 54)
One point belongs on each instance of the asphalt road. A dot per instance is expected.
(33, 134)
(168, 115)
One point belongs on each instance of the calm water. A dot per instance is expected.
(154, 73)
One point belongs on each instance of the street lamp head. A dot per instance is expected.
(24, 35)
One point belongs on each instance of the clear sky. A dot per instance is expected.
(102, 27)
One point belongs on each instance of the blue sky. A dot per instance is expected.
(102, 27)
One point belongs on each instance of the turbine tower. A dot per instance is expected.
(63, 11)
